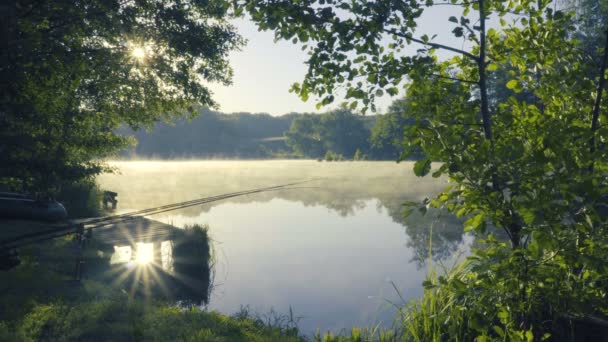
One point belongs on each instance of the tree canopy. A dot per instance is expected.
(338, 131)
(73, 71)
(514, 117)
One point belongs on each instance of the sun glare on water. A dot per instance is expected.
(145, 253)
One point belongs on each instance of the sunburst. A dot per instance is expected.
(139, 53)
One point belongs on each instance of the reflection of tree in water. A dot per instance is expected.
(347, 198)
(176, 264)
(447, 231)
(345, 188)
(191, 264)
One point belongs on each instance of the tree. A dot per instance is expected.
(343, 132)
(387, 135)
(530, 165)
(73, 71)
(303, 136)
(339, 131)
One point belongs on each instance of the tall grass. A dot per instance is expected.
(437, 316)
(81, 199)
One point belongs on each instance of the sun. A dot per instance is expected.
(144, 253)
(138, 53)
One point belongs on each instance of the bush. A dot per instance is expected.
(331, 156)
(81, 199)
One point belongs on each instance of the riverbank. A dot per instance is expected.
(117, 299)
(121, 318)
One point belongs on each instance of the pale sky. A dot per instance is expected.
(264, 70)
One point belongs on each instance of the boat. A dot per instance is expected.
(20, 206)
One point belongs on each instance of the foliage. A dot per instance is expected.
(387, 135)
(331, 156)
(527, 157)
(75, 71)
(120, 318)
(81, 199)
(339, 131)
(343, 132)
(304, 137)
(191, 260)
(247, 136)
(214, 135)
(359, 155)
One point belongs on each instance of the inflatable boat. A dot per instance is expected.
(22, 207)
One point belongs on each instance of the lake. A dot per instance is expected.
(330, 250)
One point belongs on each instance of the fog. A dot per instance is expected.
(327, 248)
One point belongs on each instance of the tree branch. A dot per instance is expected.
(434, 45)
(485, 110)
(455, 79)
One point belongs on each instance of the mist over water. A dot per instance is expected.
(329, 249)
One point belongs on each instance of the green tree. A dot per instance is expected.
(387, 135)
(73, 71)
(343, 132)
(304, 137)
(339, 131)
(530, 165)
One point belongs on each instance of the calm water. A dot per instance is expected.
(329, 249)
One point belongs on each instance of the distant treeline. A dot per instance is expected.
(334, 135)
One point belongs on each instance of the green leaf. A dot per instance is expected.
(407, 212)
(475, 222)
(499, 331)
(529, 336)
(461, 212)
(503, 316)
(427, 284)
(422, 167)
(440, 172)
(512, 84)
(458, 32)
(453, 19)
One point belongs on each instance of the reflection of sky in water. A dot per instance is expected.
(145, 253)
(334, 271)
(328, 252)
(122, 254)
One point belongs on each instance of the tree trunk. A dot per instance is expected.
(598, 102)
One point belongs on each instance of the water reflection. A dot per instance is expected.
(344, 188)
(144, 253)
(329, 249)
(156, 260)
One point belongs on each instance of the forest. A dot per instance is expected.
(337, 134)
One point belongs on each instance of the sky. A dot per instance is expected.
(264, 70)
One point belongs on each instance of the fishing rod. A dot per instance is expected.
(75, 227)
(179, 205)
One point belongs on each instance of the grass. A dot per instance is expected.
(81, 199)
(124, 319)
(39, 301)
(436, 316)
